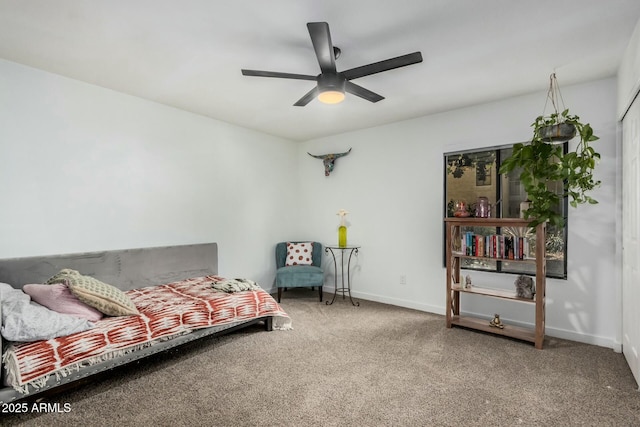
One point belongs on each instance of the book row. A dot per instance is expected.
(495, 246)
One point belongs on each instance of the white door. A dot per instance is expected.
(631, 238)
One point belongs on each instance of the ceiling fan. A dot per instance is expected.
(331, 84)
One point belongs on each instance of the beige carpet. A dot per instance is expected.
(373, 365)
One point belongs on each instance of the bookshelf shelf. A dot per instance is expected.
(496, 293)
(454, 257)
(525, 260)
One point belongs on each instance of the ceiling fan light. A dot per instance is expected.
(331, 97)
(331, 88)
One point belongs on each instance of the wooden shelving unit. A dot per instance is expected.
(455, 287)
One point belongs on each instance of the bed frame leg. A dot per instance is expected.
(268, 323)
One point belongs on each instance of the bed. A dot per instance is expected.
(175, 290)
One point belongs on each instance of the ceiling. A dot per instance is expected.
(188, 53)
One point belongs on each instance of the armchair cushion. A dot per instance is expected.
(299, 276)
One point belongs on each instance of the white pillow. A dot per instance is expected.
(26, 321)
(299, 254)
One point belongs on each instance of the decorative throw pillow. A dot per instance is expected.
(25, 321)
(106, 298)
(58, 297)
(299, 253)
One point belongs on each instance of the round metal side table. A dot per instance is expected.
(349, 251)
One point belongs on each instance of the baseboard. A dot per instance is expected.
(549, 331)
(561, 333)
(400, 302)
(583, 338)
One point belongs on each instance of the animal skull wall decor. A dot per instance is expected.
(329, 160)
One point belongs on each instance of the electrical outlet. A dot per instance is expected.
(403, 279)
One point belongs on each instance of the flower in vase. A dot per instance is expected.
(342, 214)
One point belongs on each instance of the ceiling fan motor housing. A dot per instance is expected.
(331, 88)
(330, 81)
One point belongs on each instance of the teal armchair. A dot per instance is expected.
(296, 276)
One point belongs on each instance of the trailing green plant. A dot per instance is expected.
(542, 162)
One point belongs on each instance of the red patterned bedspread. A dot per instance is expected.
(166, 310)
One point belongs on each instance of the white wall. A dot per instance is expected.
(85, 168)
(392, 183)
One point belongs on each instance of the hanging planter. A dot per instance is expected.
(558, 133)
(542, 161)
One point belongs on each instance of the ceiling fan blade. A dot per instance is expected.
(378, 67)
(307, 97)
(258, 73)
(321, 39)
(354, 89)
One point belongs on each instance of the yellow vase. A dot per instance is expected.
(342, 236)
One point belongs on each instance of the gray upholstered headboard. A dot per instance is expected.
(125, 269)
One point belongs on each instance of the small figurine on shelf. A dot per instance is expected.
(525, 287)
(496, 322)
(467, 282)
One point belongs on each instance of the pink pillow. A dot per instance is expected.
(58, 297)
